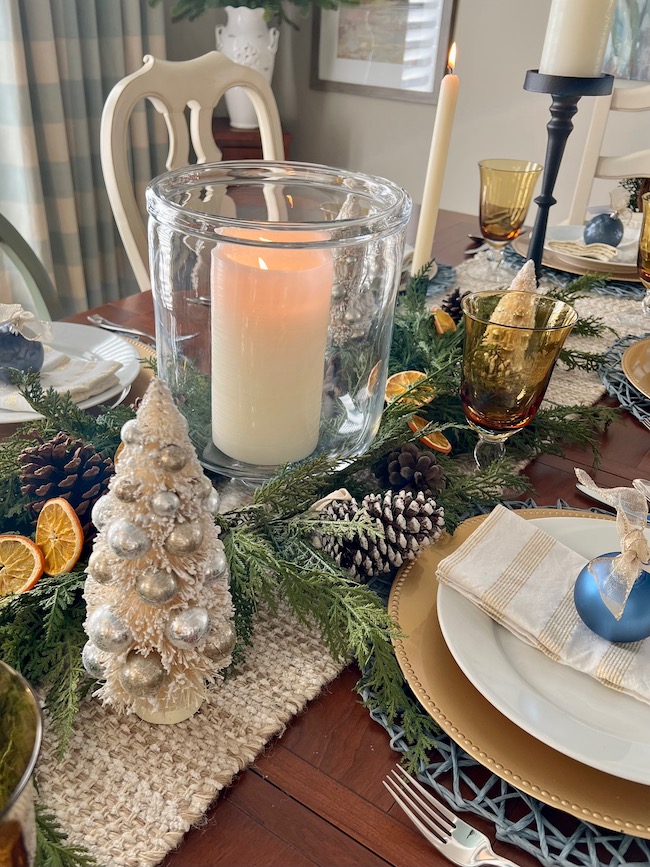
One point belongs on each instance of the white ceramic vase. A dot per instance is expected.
(246, 39)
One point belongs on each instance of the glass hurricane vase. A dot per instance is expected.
(274, 290)
(512, 341)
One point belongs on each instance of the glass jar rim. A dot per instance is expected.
(38, 735)
(337, 232)
(501, 293)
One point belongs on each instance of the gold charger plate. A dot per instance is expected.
(481, 730)
(636, 365)
(617, 272)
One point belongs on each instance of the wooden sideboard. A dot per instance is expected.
(242, 144)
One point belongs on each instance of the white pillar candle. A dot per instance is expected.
(270, 315)
(576, 37)
(442, 127)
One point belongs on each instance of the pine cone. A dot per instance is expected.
(410, 468)
(409, 522)
(451, 304)
(61, 467)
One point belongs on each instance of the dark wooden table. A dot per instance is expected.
(315, 796)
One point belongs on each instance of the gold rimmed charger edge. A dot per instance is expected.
(479, 728)
(632, 364)
(550, 260)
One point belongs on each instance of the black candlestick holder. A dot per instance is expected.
(565, 93)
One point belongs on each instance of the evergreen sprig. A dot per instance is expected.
(41, 635)
(52, 848)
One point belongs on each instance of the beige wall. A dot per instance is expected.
(498, 40)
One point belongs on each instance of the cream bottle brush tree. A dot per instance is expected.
(159, 611)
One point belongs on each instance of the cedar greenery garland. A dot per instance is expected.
(268, 543)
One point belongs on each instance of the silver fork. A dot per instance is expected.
(101, 322)
(459, 842)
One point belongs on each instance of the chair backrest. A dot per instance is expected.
(36, 292)
(173, 86)
(597, 165)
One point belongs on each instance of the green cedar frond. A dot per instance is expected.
(52, 848)
(41, 635)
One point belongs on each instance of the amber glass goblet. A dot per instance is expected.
(512, 341)
(643, 261)
(507, 188)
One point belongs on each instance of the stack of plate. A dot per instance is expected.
(635, 362)
(82, 341)
(622, 268)
(553, 732)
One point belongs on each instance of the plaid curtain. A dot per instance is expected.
(58, 62)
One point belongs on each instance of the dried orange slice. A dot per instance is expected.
(399, 383)
(442, 320)
(21, 564)
(436, 440)
(59, 536)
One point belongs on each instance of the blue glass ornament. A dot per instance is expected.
(604, 229)
(634, 624)
(18, 353)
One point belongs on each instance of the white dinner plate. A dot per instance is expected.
(82, 341)
(563, 708)
(623, 266)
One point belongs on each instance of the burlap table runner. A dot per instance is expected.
(128, 791)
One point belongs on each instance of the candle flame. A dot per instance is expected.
(451, 61)
(263, 265)
(290, 200)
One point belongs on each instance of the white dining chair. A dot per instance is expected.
(595, 163)
(34, 290)
(172, 87)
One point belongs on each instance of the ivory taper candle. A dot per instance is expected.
(576, 38)
(443, 124)
(270, 315)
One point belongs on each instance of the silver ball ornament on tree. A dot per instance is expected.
(216, 565)
(107, 631)
(127, 540)
(184, 539)
(101, 512)
(101, 567)
(187, 628)
(220, 644)
(205, 487)
(94, 661)
(142, 675)
(165, 503)
(172, 457)
(126, 490)
(212, 501)
(131, 434)
(156, 587)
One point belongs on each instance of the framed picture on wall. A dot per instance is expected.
(393, 49)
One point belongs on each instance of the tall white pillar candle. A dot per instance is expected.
(576, 37)
(270, 315)
(442, 127)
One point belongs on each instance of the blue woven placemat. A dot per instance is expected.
(466, 785)
(612, 376)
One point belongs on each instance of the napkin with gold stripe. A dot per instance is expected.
(523, 579)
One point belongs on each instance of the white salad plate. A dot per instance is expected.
(624, 265)
(563, 708)
(83, 341)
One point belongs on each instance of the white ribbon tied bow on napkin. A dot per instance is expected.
(523, 579)
(82, 377)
